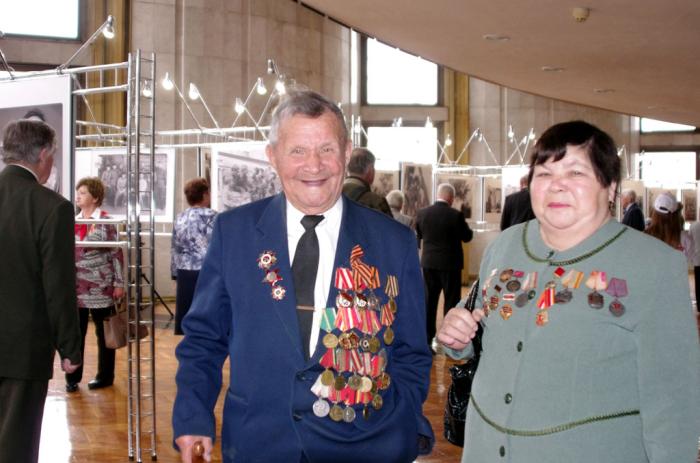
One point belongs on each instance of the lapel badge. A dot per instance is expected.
(265, 261)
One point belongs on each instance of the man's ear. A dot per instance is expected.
(270, 156)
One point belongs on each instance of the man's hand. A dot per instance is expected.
(67, 366)
(459, 327)
(186, 446)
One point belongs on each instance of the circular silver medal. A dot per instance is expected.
(522, 300)
(513, 286)
(349, 415)
(321, 408)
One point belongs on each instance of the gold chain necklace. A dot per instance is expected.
(560, 263)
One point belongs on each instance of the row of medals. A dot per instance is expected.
(513, 285)
(349, 340)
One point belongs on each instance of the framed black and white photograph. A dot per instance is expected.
(417, 186)
(492, 199)
(46, 98)
(385, 181)
(466, 192)
(241, 174)
(109, 164)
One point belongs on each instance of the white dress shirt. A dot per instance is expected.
(327, 232)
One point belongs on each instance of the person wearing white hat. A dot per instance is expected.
(667, 224)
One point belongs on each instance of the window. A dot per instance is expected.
(393, 145)
(394, 77)
(668, 169)
(40, 18)
(652, 125)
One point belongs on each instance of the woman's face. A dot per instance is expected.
(567, 197)
(83, 198)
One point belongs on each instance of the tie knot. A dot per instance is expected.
(309, 222)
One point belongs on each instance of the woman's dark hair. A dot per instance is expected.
(195, 190)
(599, 146)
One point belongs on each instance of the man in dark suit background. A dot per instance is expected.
(441, 231)
(298, 291)
(38, 311)
(633, 215)
(517, 208)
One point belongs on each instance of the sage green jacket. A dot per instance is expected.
(630, 382)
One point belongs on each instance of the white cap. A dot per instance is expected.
(665, 203)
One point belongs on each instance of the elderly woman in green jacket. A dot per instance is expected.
(590, 346)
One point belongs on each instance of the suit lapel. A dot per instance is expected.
(272, 229)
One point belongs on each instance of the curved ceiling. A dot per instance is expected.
(634, 57)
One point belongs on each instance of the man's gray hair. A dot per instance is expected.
(629, 193)
(395, 198)
(310, 104)
(24, 139)
(361, 161)
(445, 190)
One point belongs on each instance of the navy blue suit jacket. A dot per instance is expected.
(268, 405)
(634, 217)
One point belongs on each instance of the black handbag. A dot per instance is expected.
(462, 377)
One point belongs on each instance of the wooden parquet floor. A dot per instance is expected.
(91, 426)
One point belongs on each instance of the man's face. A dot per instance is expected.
(310, 162)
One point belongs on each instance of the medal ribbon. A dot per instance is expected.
(364, 325)
(572, 279)
(356, 253)
(392, 286)
(328, 359)
(319, 389)
(328, 319)
(375, 366)
(343, 279)
(374, 325)
(374, 282)
(355, 362)
(530, 281)
(546, 299)
(347, 395)
(617, 287)
(387, 316)
(597, 280)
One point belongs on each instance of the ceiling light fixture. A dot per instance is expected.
(580, 13)
(147, 89)
(239, 107)
(167, 83)
(552, 68)
(106, 29)
(193, 91)
(260, 87)
(495, 37)
(429, 123)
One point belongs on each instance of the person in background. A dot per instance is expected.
(441, 231)
(667, 225)
(395, 199)
(632, 213)
(517, 207)
(100, 279)
(190, 241)
(357, 185)
(281, 293)
(37, 287)
(695, 235)
(590, 347)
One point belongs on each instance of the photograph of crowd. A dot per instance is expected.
(241, 177)
(417, 186)
(110, 166)
(385, 181)
(466, 192)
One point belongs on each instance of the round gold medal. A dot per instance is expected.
(336, 413)
(374, 345)
(388, 336)
(327, 378)
(330, 341)
(339, 383)
(377, 401)
(355, 382)
(366, 385)
(392, 305)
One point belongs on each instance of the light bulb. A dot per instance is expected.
(193, 92)
(448, 140)
(260, 87)
(428, 123)
(532, 134)
(511, 134)
(166, 82)
(279, 86)
(239, 107)
(147, 90)
(108, 29)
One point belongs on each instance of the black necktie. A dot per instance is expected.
(304, 269)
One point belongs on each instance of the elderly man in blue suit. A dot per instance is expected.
(318, 303)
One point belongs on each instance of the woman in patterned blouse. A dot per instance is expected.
(99, 278)
(191, 234)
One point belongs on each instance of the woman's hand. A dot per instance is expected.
(186, 445)
(118, 293)
(459, 327)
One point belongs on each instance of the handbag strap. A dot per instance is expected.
(470, 305)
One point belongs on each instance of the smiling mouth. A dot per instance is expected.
(557, 205)
(318, 182)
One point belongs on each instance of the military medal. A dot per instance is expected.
(617, 288)
(336, 413)
(349, 414)
(506, 311)
(266, 260)
(321, 408)
(388, 336)
(278, 292)
(521, 300)
(528, 291)
(597, 280)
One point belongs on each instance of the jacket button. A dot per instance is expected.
(520, 346)
(508, 398)
(502, 451)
